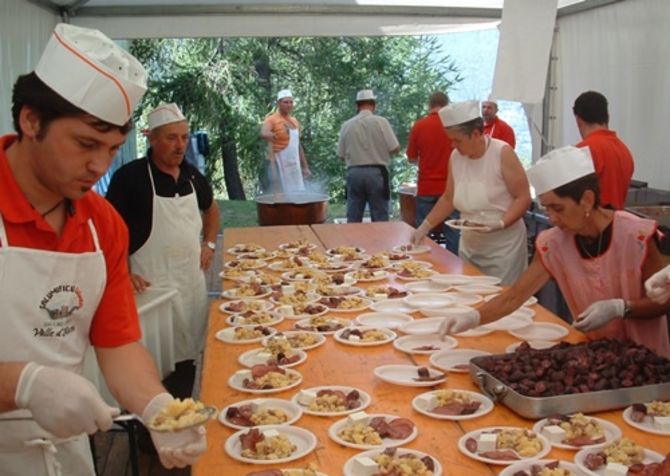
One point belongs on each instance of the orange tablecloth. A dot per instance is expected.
(337, 364)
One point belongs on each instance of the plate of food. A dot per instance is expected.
(322, 324)
(621, 455)
(241, 248)
(427, 287)
(282, 299)
(252, 318)
(260, 412)
(452, 404)
(466, 225)
(429, 300)
(264, 255)
(364, 336)
(503, 445)
(345, 251)
(540, 467)
(297, 245)
(412, 271)
(245, 264)
(409, 375)
(298, 339)
(279, 353)
(239, 275)
(262, 379)
(302, 274)
(391, 461)
(245, 305)
(392, 305)
(384, 291)
(331, 400)
(365, 431)
(181, 414)
(251, 290)
(540, 331)
(652, 417)
(388, 320)
(424, 344)
(345, 303)
(532, 344)
(309, 470)
(395, 256)
(367, 275)
(411, 249)
(333, 266)
(302, 310)
(478, 288)
(270, 444)
(244, 334)
(577, 431)
(338, 290)
(456, 360)
(289, 264)
(426, 326)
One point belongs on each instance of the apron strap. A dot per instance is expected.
(94, 234)
(49, 451)
(153, 186)
(3, 233)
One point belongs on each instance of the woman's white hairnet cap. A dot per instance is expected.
(459, 112)
(560, 166)
(165, 114)
(93, 73)
(284, 93)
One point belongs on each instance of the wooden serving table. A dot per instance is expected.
(337, 364)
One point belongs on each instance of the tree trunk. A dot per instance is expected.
(231, 171)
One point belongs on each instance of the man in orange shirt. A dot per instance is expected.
(430, 148)
(282, 132)
(494, 126)
(611, 158)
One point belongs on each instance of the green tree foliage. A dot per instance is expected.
(227, 86)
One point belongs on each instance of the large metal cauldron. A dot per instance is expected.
(291, 209)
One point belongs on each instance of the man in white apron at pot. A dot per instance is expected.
(64, 281)
(166, 203)
(286, 154)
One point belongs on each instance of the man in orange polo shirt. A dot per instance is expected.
(494, 126)
(611, 158)
(430, 148)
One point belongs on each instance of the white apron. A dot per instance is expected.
(170, 258)
(479, 189)
(288, 163)
(48, 300)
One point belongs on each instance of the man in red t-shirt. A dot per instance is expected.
(611, 158)
(430, 148)
(494, 126)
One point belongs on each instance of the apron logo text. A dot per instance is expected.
(62, 301)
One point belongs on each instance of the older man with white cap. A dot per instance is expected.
(366, 145)
(285, 152)
(487, 184)
(599, 258)
(64, 283)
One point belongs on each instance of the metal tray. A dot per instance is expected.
(534, 407)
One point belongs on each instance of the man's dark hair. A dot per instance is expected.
(438, 99)
(370, 102)
(591, 107)
(469, 127)
(575, 189)
(30, 91)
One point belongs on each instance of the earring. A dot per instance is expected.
(588, 214)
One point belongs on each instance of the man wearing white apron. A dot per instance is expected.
(64, 282)
(286, 155)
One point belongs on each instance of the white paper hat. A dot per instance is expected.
(365, 95)
(90, 71)
(165, 114)
(284, 93)
(560, 166)
(459, 112)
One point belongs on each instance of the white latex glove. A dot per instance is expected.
(490, 226)
(458, 324)
(62, 402)
(600, 313)
(176, 449)
(658, 286)
(421, 232)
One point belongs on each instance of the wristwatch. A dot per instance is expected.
(627, 308)
(210, 244)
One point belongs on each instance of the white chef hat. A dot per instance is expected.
(165, 114)
(365, 95)
(284, 93)
(459, 112)
(91, 72)
(560, 166)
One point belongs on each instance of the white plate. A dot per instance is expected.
(341, 268)
(257, 264)
(288, 276)
(448, 279)
(288, 246)
(427, 286)
(381, 277)
(580, 457)
(447, 360)
(540, 331)
(465, 299)
(389, 320)
(263, 305)
(646, 425)
(227, 335)
(349, 468)
(333, 251)
(365, 304)
(531, 301)
(412, 278)
(235, 251)
(475, 332)
(458, 225)
(511, 322)
(428, 300)
(486, 406)
(425, 326)
(250, 358)
(546, 447)
(399, 374)
(534, 344)
(364, 398)
(297, 317)
(233, 320)
(308, 298)
(415, 249)
(320, 339)
(456, 311)
(485, 279)
(390, 335)
(526, 465)
(278, 265)
(232, 294)
(235, 381)
(306, 323)
(611, 431)
(244, 278)
(410, 344)
(477, 288)
(340, 291)
(392, 305)
(386, 442)
(293, 411)
(304, 440)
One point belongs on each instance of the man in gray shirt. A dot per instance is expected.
(366, 145)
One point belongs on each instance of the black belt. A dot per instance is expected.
(385, 176)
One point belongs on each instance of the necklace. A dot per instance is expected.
(60, 202)
(584, 248)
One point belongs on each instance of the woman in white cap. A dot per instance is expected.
(599, 258)
(64, 281)
(488, 185)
